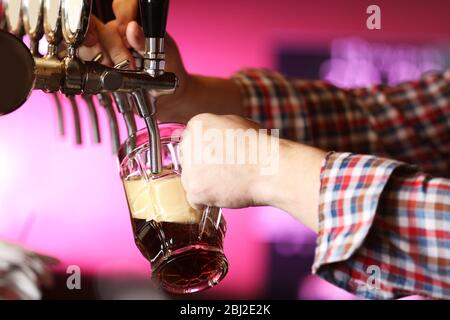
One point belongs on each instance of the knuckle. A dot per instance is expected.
(192, 199)
(184, 181)
(118, 56)
(191, 186)
(203, 117)
(116, 5)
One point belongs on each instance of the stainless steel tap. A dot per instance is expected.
(73, 76)
(37, 19)
(53, 32)
(13, 17)
(124, 105)
(154, 21)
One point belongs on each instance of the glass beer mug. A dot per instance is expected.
(183, 245)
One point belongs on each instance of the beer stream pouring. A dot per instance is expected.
(72, 76)
(154, 21)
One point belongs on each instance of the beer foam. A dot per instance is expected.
(161, 200)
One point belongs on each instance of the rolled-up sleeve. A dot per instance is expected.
(409, 122)
(384, 224)
(384, 229)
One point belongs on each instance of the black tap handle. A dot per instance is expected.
(154, 17)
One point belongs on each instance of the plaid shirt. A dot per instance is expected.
(384, 229)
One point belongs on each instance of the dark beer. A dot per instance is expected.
(184, 245)
(195, 259)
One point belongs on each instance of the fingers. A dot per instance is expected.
(125, 12)
(91, 36)
(112, 43)
(107, 39)
(91, 45)
(135, 36)
(192, 198)
(88, 53)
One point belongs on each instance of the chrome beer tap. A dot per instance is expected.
(106, 102)
(13, 17)
(36, 19)
(53, 34)
(123, 101)
(32, 23)
(125, 105)
(74, 30)
(72, 76)
(154, 21)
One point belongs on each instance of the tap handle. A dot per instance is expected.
(13, 17)
(154, 17)
(75, 16)
(52, 23)
(32, 17)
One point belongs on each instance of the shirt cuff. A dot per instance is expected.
(351, 187)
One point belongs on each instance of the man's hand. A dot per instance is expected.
(211, 179)
(208, 178)
(194, 95)
(117, 37)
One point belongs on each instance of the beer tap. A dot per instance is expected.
(36, 20)
(125, 107)
(13, 17)
(72, 76)
(89, 100)
(53, 34)
(32, 23)
(106, 102)
(74, 31)
(96, 137)
(154, 21)
(103, 11)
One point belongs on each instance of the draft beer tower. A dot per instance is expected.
(63, 72)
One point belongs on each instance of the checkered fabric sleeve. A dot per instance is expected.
(384, 229)
(409, 122)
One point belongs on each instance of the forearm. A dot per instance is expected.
(295, 187)
(199, 94)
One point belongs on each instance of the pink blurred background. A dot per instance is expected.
(67, 201)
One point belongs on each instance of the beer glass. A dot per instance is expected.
(184, 245)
